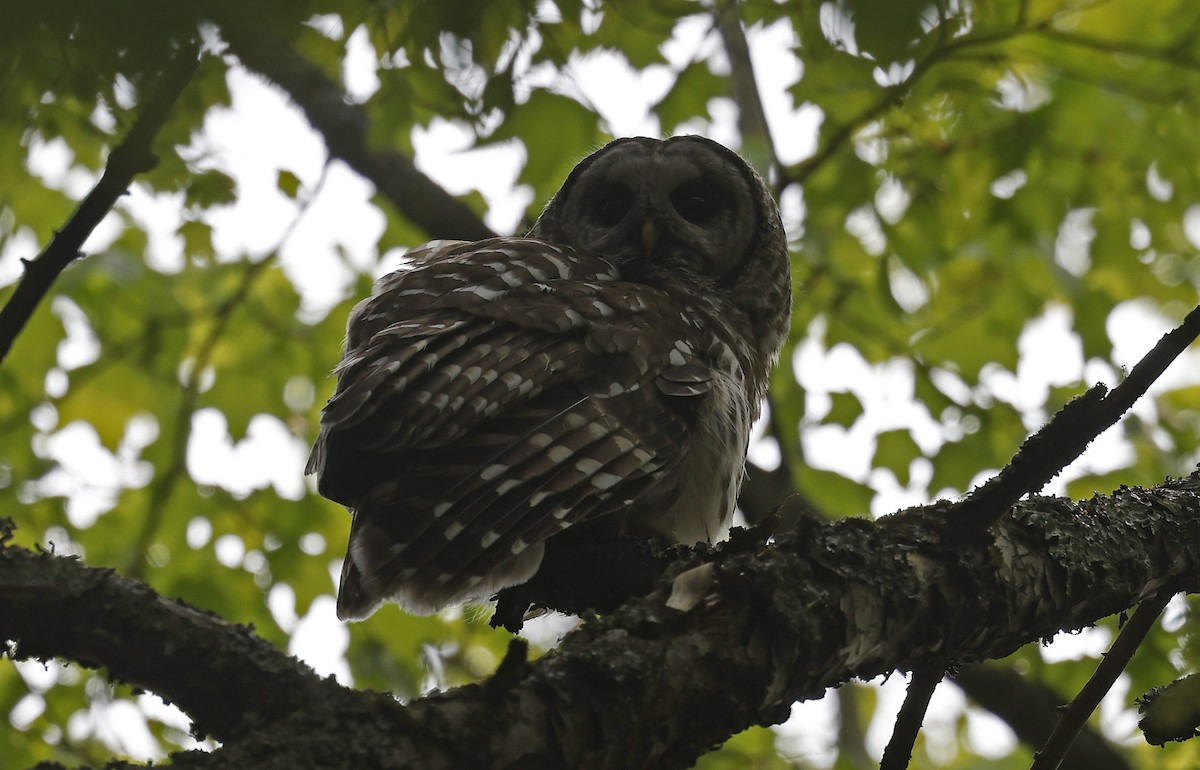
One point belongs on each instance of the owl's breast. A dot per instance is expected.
(705, 483)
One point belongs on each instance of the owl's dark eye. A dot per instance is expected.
(695, 203)
(611, 205)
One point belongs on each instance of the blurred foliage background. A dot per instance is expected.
(991, 206)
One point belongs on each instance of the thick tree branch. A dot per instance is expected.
(861, 599)
(131, 157)
(344, 128)
(58, 607)
(840, 600)
(760, 628)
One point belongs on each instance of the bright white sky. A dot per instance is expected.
(262, 134)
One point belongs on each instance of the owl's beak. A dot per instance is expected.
(649, 236)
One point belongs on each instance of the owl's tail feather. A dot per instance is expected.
(375, 571)
(353, 603)
(376, 567)
(381, 566)
(358, 596)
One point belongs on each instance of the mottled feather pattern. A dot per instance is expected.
(413, 362)
(494, 393)
(503, 495)
(464, 356)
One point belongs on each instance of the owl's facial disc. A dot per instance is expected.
(680, 203)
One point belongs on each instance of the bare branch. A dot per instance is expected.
(1111, 666)
(898, 752)
(1030, 708)
(752, 118)
(1059, 442)
(130, 158)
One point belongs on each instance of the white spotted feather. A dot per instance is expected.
(494, 393)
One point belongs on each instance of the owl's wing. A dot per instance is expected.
(474, 420)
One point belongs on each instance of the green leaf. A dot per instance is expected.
(841, 84)
(197, 239)
(993, 435)
(887, 28)
(895, 450)
(210, 188)
(288, 183)
(688, 97)
(638, 30)
(1084, 487)
(750, 748)
(845, 410)
(833, 493)
(1171, 713)
(557, 131)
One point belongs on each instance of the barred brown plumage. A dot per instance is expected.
(494, 393)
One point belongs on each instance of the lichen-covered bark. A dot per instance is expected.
(56, 607)
(649, 686)
(844, 600)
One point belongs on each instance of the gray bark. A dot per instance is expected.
(647, 685)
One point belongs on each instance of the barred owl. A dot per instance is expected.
(611, 363)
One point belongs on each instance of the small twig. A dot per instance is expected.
(130, 158)
(1075, 714)
(1031, 708)
(908, 722)
(175, 468)
(1063, 439)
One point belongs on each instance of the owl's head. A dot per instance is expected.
(684, 207)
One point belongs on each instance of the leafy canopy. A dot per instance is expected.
(988, 180)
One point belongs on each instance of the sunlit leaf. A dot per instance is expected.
(845, 410)
(288, 183)
(895, 450)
